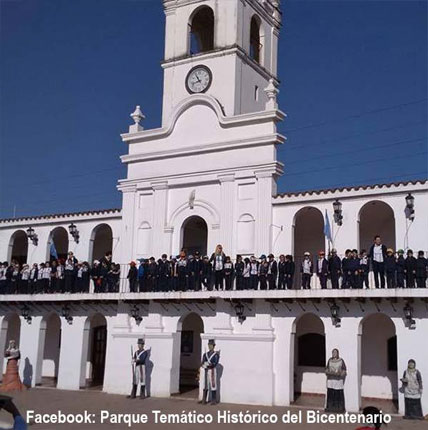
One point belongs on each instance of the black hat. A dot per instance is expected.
(211, 342)
(140, 341)
(197, 253)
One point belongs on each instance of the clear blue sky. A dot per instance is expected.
(353, 83)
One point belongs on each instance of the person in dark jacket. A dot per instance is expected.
(254, 273)
(228, 273)
(290, 268)
(218, 258)
(103, 276)
(141, 275)
(272, 272)
(421, 270)
(354, 270)
(390, 268)
(163, 273)
(206, 273)
(335, 269)
(133, 277)
(281, 272)
(239, 273)
(410, 269)
(152, 274)
(263, 271)
(346, 280)
(401, 263)
(377, 256)
(322, 269)
(197, 269)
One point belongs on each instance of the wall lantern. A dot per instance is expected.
(66, 313)
(135, 313)
(337, 207)
(74, 232)
(408, 315)
(25, 312)
(334, 309)
(32, 235)
(410, 206)
(239, 310)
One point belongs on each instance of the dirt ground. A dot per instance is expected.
(50, 401)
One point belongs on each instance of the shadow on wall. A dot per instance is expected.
(149, 369)
(220, 369)
(28, 373)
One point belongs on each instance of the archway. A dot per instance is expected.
(18, 247)
(190, 354)
(201, 28)
(94, 352)
(50, 341)
(376, 218)
(379, 377)
(255, 43)
(10, 330)
(195, 235)
(308, 236)
(309, 361)
(59, 238)
(101, 242)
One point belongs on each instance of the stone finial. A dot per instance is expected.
(137, 116)
(271, 92)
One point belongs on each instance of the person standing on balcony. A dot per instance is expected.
(401, 263)
(410, 269)
(218, 258)
(133, 277)
(163, 273)
(206, 273)
(290, 268)
(322, 269)
(70, 272)
(282, 264)
(334, 268)
(346, 279)
(239, 273)
(390, 268)
(254, 273)
(421, 270)
(377, 256)
(306, 270)
(272, 272)
(364, 270)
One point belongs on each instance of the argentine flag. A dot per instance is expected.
(327, 228)
(53, 252)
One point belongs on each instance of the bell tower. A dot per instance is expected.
(227, 49)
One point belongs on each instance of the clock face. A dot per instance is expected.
(198, 80)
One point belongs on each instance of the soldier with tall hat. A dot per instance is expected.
(139, 359)
(209, 364)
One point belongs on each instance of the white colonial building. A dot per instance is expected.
(208, 175)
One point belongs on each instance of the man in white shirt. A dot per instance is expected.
(377, 256)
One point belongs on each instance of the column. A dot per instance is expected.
(227, 212)
(31, 346)
(126, 247)
(347, 340)
(159, 219)
(264, 213)
(73, 354)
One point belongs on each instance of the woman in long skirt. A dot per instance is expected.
(336, 373)
(11, 380)
(412, 384)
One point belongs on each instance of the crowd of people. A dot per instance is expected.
(193, 272)
(66, 275)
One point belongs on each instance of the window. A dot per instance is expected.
(187, 342)
(311, 350)
(202, 31)
(255, 46)
(392, 353)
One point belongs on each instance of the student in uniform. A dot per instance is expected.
(421, 270)
(322, 269)
(141, 276)
(206, 273)
(335, 269)
(79, 280)
(40, 283)
(401, 262)
(364, 270)
(290, 268)
(102, 280)
(133, 277)
(281, 272)
(228, 273)
(70, 273)
(263, 271)
(246, 274)
(306, 270)
(239, 271)
(254, 273)
(182, 272)
(390, 268)
(14, 279)
(345, 269)
(25, 276)
(354, 269)
(198, 267)
(190, 272)
(410, 269)
(95, 276)
(272, 273)
(32, 283)
(47, 278)
(53, 280)
(86, 270)
(152, 274)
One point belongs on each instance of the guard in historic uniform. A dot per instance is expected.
(209, 364)
(335, 269)
(139, 359)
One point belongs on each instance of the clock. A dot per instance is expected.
(198, 80)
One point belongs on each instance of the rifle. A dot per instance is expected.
(132, 365)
